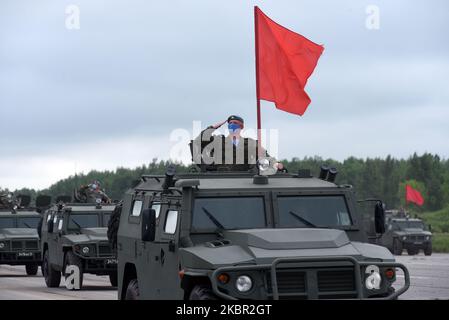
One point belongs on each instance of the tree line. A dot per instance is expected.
(372, 177)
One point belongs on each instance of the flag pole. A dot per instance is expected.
(259, 121)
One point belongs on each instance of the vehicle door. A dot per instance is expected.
(167, 280)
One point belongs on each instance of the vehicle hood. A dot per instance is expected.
(263, 246)
(18, 233)
(88, 235)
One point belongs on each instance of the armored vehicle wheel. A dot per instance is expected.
(428, 250)
(113, 279)
(397, 247)
(202, 292)
(412, 251)
(52, 277)
(31, 269)
(72, 260)
(132, 291)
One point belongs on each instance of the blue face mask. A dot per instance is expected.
(233, 127)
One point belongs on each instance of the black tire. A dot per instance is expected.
(73, 260)
(52, 277)
(397, 247)
(132, 291)
(428, 250)
(113, 278)
(31, 268)
(202, 292)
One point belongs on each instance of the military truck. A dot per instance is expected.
(74, 234)
(240, 235)
(19, 239)
(403, 232)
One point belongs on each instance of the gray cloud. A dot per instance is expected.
(141, 68)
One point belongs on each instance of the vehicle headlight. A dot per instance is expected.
(373, 280)
(404, 238)
(244, 283)
(427, 237)
(2, 245)
(86, 250)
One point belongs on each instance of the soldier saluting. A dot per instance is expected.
(231, 153)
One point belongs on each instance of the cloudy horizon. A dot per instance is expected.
(111, 93)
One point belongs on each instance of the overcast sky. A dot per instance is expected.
(111, 93)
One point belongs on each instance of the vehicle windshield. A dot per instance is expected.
(6, 223)
(78, 221)
(28, 222)
(228, 213)
(313, 211)
(410, 225)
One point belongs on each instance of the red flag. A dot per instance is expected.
(284, 62)
(412, 195)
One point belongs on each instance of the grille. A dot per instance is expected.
(17, 245)
(104, 250)
(31, 245)
(417, 238)
(288, 281)
(336, 280)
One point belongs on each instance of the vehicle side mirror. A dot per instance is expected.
(379, 217)
(50, 225)
(430, 227)
(148, 225)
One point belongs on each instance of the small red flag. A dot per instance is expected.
(285, 60)
(412, 195)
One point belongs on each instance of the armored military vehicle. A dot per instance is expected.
(19, 239)
(236, 235)
(403, 232)
(74, 234)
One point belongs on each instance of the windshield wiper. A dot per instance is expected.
(79, 226)
(304, 221)
(217, 223)
(26, 224)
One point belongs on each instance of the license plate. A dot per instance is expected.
(111, 261)
(418, 242)
(25, 254)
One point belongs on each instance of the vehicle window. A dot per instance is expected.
(48, 217)
(28, 222)
(228, 213)
(60, 224)
(410, 224)
(106, 217)
(78, 221)
(137, 208)
(157, 207)
(171, 222)
(313, 211)
(6, 223)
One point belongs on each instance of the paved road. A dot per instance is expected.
(429, 280)
(429, 276)
(16, 285)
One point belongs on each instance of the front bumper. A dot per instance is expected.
(20, 257)
(411, 244)
(311, 286)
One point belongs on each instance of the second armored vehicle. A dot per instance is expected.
(74, 234)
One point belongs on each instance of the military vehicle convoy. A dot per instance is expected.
(243, 235)
(74, 234)
(403, 232)
(19, 239)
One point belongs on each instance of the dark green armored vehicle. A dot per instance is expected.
(19, 239)
(74, 234)
(237, 235)
(406, 233)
